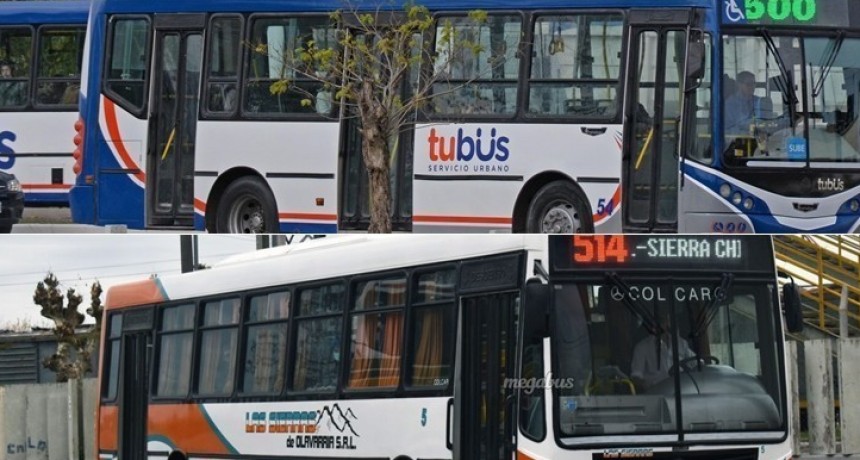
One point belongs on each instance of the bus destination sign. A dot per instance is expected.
(832, 13)
(696, 252)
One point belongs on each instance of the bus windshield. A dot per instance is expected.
(621, 343)
(791, 100)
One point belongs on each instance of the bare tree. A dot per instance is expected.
(74, 349)
(384, 68)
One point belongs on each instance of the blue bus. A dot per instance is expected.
(41, 51)
(600, 116)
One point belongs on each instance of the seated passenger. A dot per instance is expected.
(12, 92)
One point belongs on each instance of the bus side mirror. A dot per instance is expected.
(793, 308)
(536, 309)
(696, 63)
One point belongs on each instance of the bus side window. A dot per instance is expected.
(16, 49)
(432, 326)
(59, 66)
(576, 63)
(225, 35)
(128, 60)
(318, 338)
(477, 84)
(275, 47)
(218, 347)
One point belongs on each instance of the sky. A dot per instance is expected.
(78, 260)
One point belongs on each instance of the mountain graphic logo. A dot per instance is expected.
(336, 417)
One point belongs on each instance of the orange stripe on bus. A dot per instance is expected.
(136, 293)
(186, 427)
(522, 456)
(200, 205)
(113, 131)
(307, 216)
(463, 219)
(46, 186)
(108, 428)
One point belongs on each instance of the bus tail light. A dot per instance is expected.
(78, 154)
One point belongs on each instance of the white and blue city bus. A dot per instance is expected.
(41, 50)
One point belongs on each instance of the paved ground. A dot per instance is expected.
(59, 220)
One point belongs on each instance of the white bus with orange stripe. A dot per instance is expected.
(468, 347)
(41, 48)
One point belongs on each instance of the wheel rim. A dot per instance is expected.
(246, 216)
(561, 217)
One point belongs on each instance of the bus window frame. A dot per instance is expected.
(449, 308)
(141, 112)
(36, 79)
(28, 103)
(245, 323)
(297, 318)
(107, 355)
(155, 365)
(621, 84)
(197, 344)
(243, 114)
(235, 114)
(350, 312)
(429, 65)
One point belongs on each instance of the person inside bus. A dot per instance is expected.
(12, 92)
(653, 357)
(743, 108)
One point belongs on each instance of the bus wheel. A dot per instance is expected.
(5, 229)
(558, 207)
(247, 206)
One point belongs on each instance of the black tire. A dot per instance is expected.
(5, 229)
(559, 207)
(247, 206)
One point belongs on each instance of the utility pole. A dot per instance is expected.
(188, 252)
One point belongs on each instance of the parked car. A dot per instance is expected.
(11, 202)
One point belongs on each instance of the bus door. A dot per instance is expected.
(355, 184)
(173, 119)
(487, 419)
(134, 384)
(654, 99)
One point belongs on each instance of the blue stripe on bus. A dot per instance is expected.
(303, 227)
(47, 198)
(44, 12)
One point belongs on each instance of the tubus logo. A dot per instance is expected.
(830, 185)
(466, 148)
(7, 155)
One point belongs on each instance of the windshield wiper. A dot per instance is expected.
(834, 46)
(648, 319)
(788, 96)
(709, 312)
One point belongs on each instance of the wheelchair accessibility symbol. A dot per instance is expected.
(733, 11)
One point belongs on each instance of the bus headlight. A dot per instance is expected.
(854, 205)
(737, 198)
(748, 203)
(725, 190)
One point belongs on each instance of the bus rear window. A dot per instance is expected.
(127, 62)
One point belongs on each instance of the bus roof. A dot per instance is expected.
(44, 12)
(202, 6)
(325, 258)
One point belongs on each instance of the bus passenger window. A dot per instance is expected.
(433, 329)
(266, 343)
(318, 338)
(276, 44)
(217, 363)
(576, 63)
(59, 71)
(15, 55)
(175, 338)
(128, 61)
(377, 333)
(466, 83)
(224, 58)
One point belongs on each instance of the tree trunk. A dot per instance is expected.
(375, 153)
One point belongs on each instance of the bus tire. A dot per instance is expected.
(5, 229)
(559, 207)
(247, 206)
